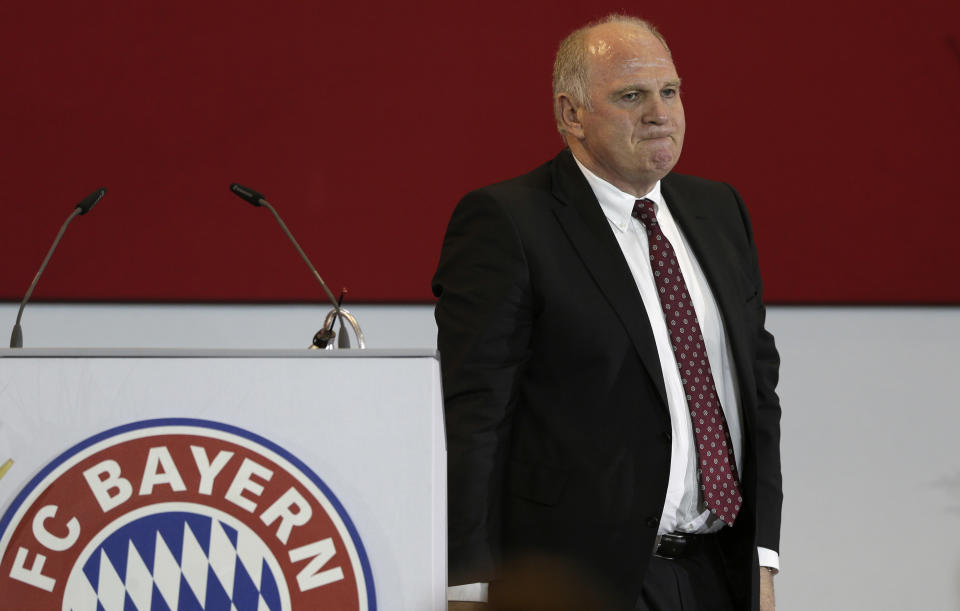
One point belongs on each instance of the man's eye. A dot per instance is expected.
(670, 92)
(631, 96)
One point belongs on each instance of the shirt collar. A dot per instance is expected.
(617, 205)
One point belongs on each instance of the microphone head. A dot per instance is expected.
(247, 194)
(91, 200)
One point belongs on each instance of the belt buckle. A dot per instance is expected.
(671, 545)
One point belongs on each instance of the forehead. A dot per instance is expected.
(625, 51)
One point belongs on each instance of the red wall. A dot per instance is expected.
(364, 123)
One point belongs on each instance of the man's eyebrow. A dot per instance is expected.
(629, 88)
(644, 87)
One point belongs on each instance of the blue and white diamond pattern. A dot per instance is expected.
(177, 561)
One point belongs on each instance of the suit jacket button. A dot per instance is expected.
(652, 522)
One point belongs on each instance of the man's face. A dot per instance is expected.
(633, 133)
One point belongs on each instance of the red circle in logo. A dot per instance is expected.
(158, 512)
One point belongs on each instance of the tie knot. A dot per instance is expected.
(644, 211)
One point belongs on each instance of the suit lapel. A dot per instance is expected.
(589, 232)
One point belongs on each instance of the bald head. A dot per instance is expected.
(572, 65)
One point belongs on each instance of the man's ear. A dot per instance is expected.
(570, 116)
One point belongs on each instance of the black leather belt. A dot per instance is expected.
(679, 545)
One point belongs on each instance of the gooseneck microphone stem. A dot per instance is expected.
(16, 338)
(303, 255)
(325, 334)
(257, 199)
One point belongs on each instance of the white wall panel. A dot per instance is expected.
(871, 459)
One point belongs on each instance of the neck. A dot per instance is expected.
(634, 188)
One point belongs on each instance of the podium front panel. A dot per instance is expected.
(296, 478)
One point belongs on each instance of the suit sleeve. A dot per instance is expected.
(766, 373)
(483, 317)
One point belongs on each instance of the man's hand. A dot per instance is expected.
(459, 605)
(767, 602)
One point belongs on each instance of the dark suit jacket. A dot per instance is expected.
(557, 423)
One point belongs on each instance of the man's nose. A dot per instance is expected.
(655, 112)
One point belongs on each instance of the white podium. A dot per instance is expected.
(198, 479)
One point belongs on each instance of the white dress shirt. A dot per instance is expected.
(683, 509)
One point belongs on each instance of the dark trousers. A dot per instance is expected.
(693, 583)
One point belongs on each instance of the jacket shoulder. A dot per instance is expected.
(538, 180)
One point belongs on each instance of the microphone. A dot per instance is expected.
(257, 199)
(91, 200)
(16, 337)
(248, 195)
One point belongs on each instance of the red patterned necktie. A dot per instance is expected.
(717, 468)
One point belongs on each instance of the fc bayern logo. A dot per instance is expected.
(176, 515)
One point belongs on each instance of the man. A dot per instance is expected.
(591, 314)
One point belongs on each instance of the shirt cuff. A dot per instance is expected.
(769, 558)
(468, 592)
